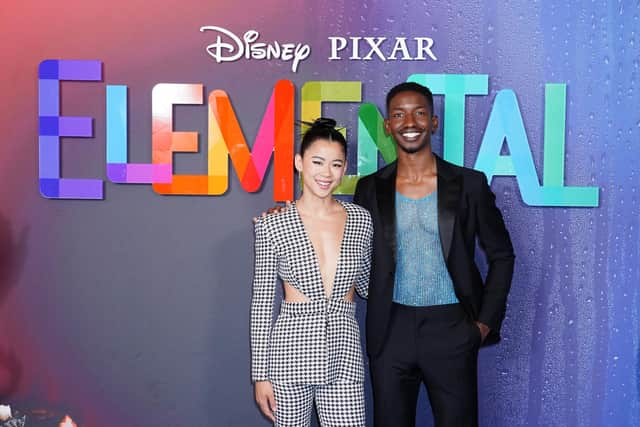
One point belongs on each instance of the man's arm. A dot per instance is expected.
(495, 241)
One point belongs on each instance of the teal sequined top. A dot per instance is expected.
(422, 278)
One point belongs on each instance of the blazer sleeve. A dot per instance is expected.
(264, 286)
(362, 283)
(495, 241)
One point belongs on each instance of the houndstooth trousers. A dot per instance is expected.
(339, 404)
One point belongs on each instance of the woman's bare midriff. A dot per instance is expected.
(291, 294)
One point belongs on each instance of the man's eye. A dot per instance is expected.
(397, 115)
(316, 162)
(337, 165)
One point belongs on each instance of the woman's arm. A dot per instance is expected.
(264, 286)
(362, 283)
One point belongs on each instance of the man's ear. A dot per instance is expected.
(434, 124)
(387, 128)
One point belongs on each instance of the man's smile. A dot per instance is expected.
(411, 135)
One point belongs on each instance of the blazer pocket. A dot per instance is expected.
(344, 339)
(298, 349)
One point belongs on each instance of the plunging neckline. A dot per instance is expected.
(313, 249)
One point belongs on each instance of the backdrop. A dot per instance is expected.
(131, 307)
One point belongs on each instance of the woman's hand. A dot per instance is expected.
(265, 399)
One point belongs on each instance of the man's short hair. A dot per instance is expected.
(411, 87)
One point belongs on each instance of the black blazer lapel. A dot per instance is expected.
(449, 189)
(386, 196)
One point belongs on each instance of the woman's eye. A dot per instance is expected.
(316, 162)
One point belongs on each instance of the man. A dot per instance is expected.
(428, 310)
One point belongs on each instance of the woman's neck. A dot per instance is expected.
(315, 205)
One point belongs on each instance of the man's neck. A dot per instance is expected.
(416, 165)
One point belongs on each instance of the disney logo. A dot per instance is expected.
(235, 48)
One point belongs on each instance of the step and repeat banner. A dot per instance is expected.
(140, 138)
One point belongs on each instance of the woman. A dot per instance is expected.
(321, 249)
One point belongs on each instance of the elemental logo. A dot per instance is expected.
(275, 137)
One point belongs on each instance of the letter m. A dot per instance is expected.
(275, 136)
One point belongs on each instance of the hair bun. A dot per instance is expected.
(324, 122)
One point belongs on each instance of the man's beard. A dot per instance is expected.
(415, 149)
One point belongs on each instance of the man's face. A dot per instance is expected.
(410, 122)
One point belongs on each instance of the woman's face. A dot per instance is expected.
(322, 167)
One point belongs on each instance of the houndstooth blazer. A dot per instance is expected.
(314, 342)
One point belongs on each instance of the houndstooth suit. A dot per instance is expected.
(315, 342)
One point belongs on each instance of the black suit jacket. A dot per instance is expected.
(466, 212)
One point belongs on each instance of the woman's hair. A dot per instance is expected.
(322, 128)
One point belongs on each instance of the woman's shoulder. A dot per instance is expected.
(357, 211)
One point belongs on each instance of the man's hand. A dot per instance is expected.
(265, 399)
(484, 330)
(274, 210)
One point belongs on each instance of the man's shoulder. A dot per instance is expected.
(380, 173)
(470, 176)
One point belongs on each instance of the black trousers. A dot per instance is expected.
(437, 346)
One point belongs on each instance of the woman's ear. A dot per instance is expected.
(297, 161)
(344, 168)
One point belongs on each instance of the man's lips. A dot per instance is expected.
(411, 135)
